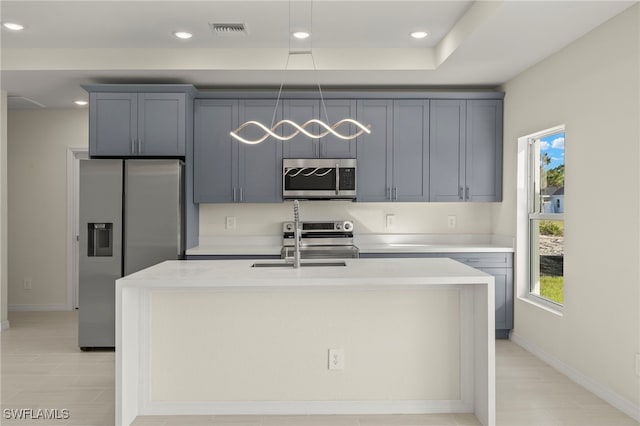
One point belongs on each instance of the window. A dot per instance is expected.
(546, 216)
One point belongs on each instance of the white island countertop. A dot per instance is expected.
(164, 366)
(367, 273)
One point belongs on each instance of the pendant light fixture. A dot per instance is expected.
(325, 128)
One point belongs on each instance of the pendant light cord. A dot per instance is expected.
(315, 69)
(325, 128)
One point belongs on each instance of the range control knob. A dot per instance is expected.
(288, 226)
(348, 226)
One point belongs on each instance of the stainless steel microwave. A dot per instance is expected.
(319, 178)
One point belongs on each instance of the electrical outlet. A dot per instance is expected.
(638, 364)
(27, 284)
(391, 220)
(230, 222)
(451, 221)
(336, 359)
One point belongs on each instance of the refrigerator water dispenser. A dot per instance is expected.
(100, 242)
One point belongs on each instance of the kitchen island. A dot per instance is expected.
(223, 337)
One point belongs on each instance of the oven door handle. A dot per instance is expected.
(337, 179)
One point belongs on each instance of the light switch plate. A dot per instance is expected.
(451, 221)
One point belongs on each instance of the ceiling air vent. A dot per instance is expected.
(228, 29)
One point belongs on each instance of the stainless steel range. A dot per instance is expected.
(320, 240)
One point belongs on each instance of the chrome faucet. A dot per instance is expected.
(297, 234)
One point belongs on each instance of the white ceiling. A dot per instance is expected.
(355, 43)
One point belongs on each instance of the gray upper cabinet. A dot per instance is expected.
(466, 150)
(332, 146)
(447, 138)
(410, 151)
(137, 124)
(300, 111)
(113, 123)
(374, 171)
(260, 165)
(333, 110)
(483, 166)
(419, 150)
(393, 160)
(215, 153)
(226, 170)
(161, 124)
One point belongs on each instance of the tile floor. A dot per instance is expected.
(42, 367)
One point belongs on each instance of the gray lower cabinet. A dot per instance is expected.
(393, 160)
(466, 150)
(137, 124)
(226, 170)
(330, 111)
(499, 265)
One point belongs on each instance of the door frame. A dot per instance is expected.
(74, 156)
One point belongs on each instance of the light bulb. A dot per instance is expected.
(301, 35)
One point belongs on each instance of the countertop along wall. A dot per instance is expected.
(592, 86)
(38, 142)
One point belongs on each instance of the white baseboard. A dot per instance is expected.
(4, 325)
(307, 407)
(39, 308)
(618, 401)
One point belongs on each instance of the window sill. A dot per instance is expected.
(543, 304)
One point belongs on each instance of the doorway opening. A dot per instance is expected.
(74, 156)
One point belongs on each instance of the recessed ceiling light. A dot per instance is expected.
(184, 35)
(301, 35)
(13, 26)
(80, 103)
(419, 34)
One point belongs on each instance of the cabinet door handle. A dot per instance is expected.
(460, 193)
(395, 193)
(139, 146)
(234, 194)
(241, 194)
(133, 146)
(388, 197)
(467, 191)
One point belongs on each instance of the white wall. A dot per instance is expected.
(430, 218)
(37, 152)
(592, 87)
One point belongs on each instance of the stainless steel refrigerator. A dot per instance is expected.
(131, 217)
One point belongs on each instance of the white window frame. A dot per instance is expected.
(524, 208)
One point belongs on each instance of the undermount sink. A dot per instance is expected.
(302, 264)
